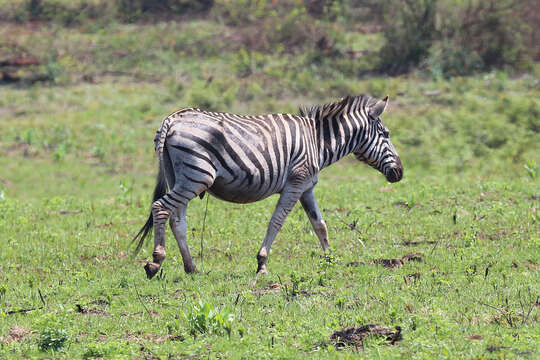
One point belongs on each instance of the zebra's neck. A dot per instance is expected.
(338, 135)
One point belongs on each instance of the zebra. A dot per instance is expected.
(244, 158)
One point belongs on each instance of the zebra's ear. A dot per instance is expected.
(377, 109)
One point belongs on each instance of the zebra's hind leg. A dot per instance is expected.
(162, 209)
(286, 202)
(179, 229)
(315, 217)
(160, 214)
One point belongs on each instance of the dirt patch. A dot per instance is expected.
(275, 287)
(475, 337)
(25, 150)
(154, 338)
(288, 289)
(532, 264)
(412, 278)
(100, 302)
(401, 204)
(109, 224)
(356, 335)
(70, 212)
(418, 242)
(497, 235)
(17, 64)
(17, 333)
(83, 309)
(272, 288)
(85, 258)
(493, 348)
(391, 263)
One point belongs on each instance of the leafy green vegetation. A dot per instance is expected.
(203, 318)
(449, 254)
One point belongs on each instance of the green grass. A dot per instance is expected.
(78, 171)
(75, 252)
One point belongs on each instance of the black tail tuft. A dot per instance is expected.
(159, 191)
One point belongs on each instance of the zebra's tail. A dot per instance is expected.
(161, 136)
(159, 191)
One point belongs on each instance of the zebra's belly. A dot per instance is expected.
(237, 193)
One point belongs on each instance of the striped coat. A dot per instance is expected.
(244, 159)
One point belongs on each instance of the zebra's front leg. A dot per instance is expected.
(286, 202)
(179, 229)
(315, 217)
(160, 215)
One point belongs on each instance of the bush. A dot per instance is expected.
(133, 10)
(77, 12)
(455, 38)
(204, 318)
(449, 58)
(104, 350)
(65, 13)
(52, 339)
(409, 30)
(480, 36)
(211, 95)
(271, 26)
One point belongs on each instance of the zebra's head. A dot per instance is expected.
(375, 148)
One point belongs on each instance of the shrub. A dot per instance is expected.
(65, 13)
(211, 95)
(479, 36)
(532, 168)
(409, 30)
(449, 58)
(52, 339)
(271, 26)
(104, 350)
(133, 10)
(204, 318)
(455, 38)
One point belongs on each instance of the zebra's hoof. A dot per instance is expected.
(191, 270)
(262, 270)
(151, 269)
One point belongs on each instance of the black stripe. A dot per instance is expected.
(284, 149)
(167, 202)
(337, 135)
(326, 132)
(198, 169)
(195, 181)
(211, 147)
(194, 153)
(274, 135)
(178, 200)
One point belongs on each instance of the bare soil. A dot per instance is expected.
(391, 263)
(356, 335)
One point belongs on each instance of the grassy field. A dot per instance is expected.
(78, 169)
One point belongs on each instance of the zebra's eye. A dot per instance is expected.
(386, 132)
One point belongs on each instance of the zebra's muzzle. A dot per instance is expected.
(395, 173)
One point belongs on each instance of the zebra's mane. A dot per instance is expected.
(321, 111)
